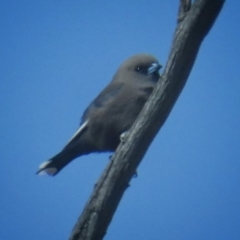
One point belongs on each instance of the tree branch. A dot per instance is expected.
(192, 27)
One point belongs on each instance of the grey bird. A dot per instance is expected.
(111, 113)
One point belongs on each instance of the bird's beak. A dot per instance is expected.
(154, 68)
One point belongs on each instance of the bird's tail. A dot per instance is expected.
(55, 164)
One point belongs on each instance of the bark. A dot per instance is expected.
(194, 23)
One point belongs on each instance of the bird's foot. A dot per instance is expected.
(123, 136)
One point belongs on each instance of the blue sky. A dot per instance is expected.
(55, 57)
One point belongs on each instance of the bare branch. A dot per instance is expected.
(184, 7)
(189, 34)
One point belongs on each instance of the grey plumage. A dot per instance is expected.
(111, 113)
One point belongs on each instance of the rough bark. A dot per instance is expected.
(194, 23)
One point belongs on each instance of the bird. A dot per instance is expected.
(111, 114)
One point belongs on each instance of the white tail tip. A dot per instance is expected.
(44, 170)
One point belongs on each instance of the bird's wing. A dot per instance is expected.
(106, 96)
(100, 101)
(79, 132)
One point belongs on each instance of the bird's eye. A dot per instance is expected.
(138, 69)
(141, 69)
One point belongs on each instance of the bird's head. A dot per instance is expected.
(140, 67)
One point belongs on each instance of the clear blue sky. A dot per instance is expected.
(55, 57)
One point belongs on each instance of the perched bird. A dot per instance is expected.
(111, 113)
